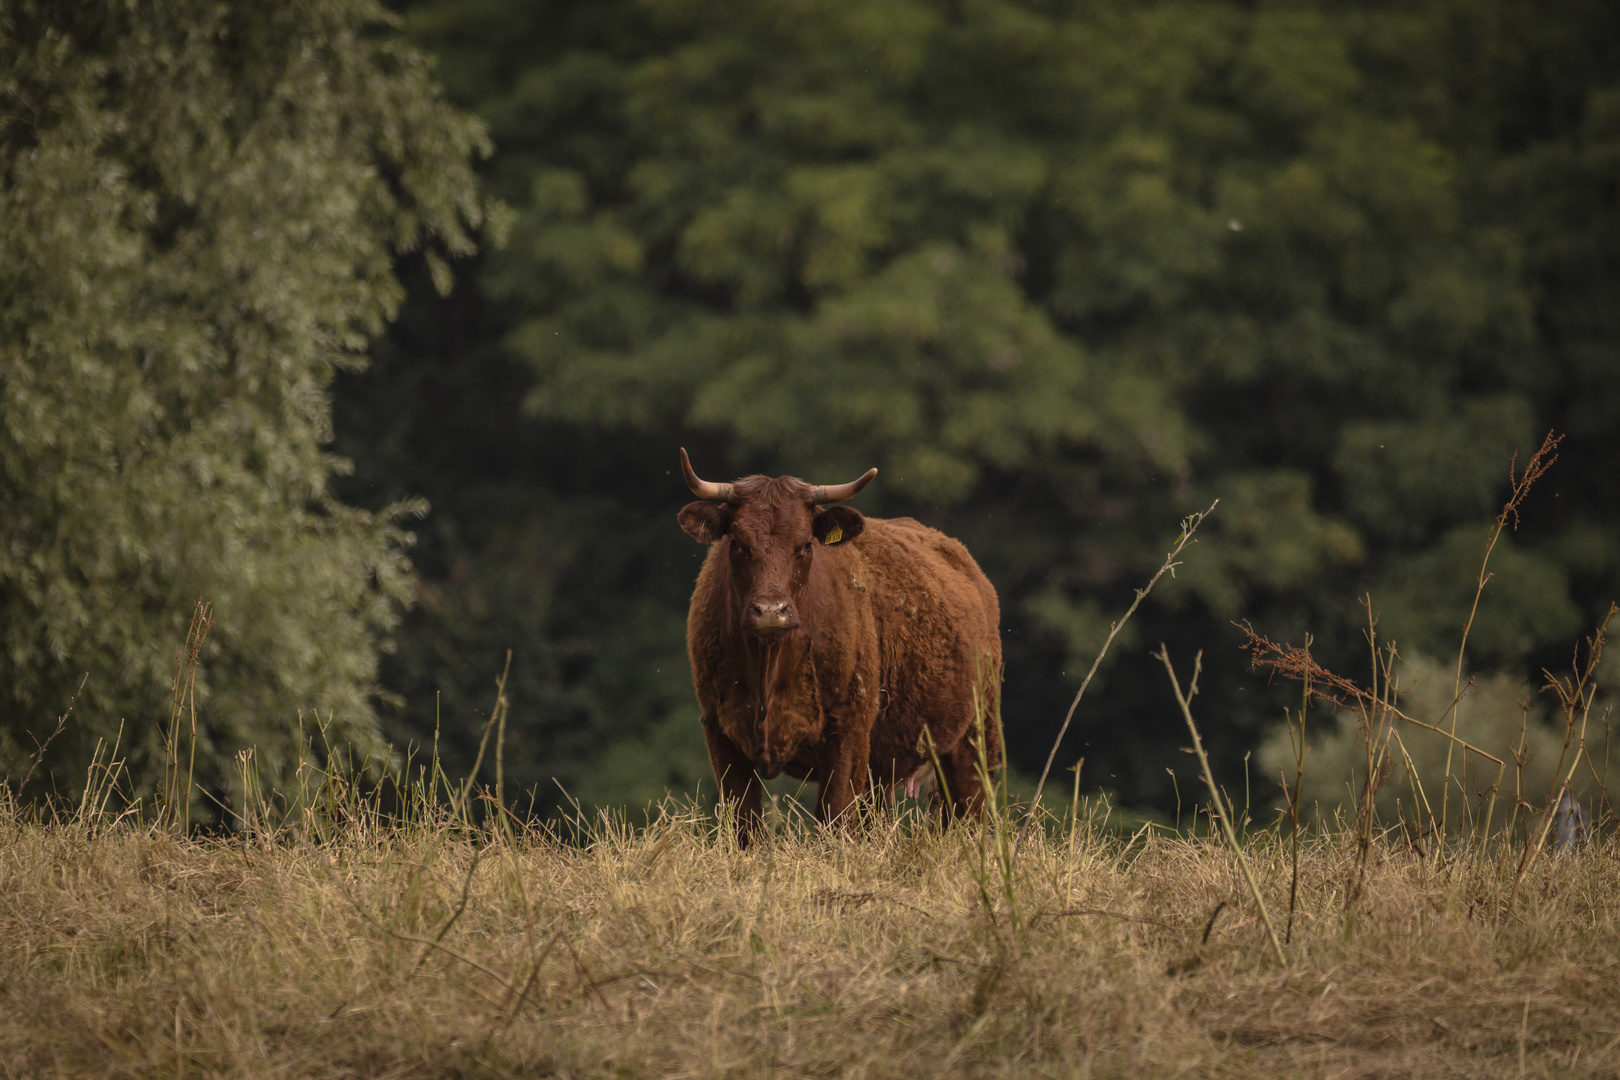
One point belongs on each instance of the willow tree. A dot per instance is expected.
(201, 207)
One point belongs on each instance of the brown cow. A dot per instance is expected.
(824, 643)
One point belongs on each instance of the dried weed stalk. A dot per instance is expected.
(61, 722)
(1221, 811)
(1575, 693)
(1295, 663)
(184, 693)
(1189, 526)
(1519, 485)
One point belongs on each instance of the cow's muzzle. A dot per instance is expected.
(771, 618)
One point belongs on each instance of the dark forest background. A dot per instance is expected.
(1065, 271)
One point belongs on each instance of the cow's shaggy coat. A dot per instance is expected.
(823, 645)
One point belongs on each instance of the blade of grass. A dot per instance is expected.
(1189, 526)
(1221, 812)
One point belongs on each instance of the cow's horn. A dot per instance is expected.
(703, 489)
(840, 492)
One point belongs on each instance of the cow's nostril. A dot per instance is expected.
(772, 616)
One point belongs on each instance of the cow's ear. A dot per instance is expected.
(840, 523)
(704, 521)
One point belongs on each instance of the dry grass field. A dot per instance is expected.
(321, 937)
(348, 946)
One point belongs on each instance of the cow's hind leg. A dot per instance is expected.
(963, 774)
(964, 788)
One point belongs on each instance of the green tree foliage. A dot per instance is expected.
(543, 541)
(1070, 270)
(200, 209)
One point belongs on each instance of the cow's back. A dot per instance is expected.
(938, 622)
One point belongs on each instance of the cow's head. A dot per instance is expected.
(771, 528)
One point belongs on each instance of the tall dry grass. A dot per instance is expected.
(425, 948)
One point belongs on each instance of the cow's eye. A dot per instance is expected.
(739, 550)
(806, 549)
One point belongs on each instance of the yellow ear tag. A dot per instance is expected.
(834, 535)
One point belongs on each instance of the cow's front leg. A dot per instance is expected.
(846, 779)
(734, 775)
